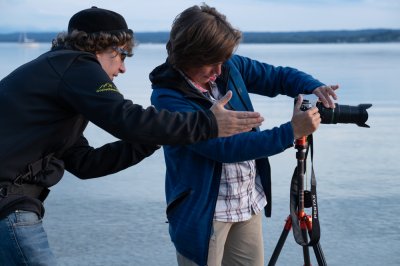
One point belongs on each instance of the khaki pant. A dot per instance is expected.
(234, 244)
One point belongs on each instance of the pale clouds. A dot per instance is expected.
(247, 15)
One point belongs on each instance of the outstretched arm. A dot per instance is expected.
(85, 162)
(240, 147)
(100, 102)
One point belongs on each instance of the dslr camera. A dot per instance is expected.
(344, 114)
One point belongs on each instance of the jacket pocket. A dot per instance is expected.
(177, 201)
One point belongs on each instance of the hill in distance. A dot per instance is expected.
(337, 36)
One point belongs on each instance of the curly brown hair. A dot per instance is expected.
(93, 42)
(200, 35)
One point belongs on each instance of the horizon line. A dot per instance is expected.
(251, 31)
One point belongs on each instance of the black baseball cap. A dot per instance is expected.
(96, 19)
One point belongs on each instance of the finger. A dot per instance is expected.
(245, 129)
(252, 125)
(299, 102)
(225, 99)
(315, 113)
(323, 98)
(330, 91)
(335, 87)
(313, 110)
(330, 95)
(329, 101)
(250, 122)
(244, 114)
(327, 94)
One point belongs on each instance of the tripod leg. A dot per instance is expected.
(317, 247)
(306, 251)
(319, 254)
(281, 242)
(306, 255)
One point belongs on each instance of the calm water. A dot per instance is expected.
(120, 219)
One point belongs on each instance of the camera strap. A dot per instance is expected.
(310, 201)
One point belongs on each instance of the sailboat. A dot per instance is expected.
(24, 40)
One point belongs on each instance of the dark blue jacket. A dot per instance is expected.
(194, 171)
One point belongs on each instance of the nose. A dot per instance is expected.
(217, 69)
(122, 68)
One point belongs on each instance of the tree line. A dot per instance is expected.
(337, 36)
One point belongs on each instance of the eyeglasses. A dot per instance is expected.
(122, 52)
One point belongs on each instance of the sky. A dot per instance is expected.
(246, 15)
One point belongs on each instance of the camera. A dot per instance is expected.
(344, 114)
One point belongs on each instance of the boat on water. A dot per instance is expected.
(24, 40)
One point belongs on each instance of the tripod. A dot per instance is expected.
(304, 220)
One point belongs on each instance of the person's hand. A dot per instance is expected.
(304, 122)
(233, 122)
(325, 95)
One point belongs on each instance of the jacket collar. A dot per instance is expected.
(165, 76)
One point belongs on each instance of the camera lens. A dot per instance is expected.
(344, 114)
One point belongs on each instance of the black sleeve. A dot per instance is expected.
(86, 162)
(87, 89)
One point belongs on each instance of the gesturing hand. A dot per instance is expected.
(325, 95)
(233, 122)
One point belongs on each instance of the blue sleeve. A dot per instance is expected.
(247, 146)
(264, 79)
(237, 148)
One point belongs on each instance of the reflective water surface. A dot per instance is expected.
(120, 219)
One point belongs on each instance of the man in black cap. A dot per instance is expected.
(47, 103)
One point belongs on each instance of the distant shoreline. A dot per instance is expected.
(332, 36)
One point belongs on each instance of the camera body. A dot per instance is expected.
(341, 113)
(305, 105)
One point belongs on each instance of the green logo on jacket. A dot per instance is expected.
(107, 87)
